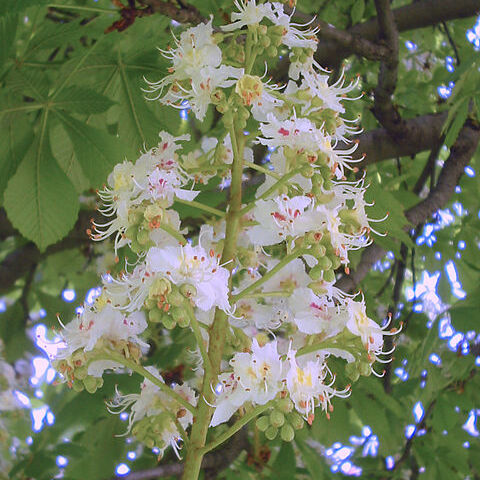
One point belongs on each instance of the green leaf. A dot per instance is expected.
(16, 6)
(64, 153)
(312, 459)
(96, 151)
(33, 83)
(8, 30)
(16, 135)
(457, 123)
(40, 200)
(138, 125)
(357, 11)
(284, 466)
(82, 100)
(101, 450)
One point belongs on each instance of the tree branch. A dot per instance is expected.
(410, 17)
(383, 109)
(460, 155)
(22, 260)
(186, 13)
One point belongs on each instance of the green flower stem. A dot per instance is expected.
(82, 8)
(342, 340)
(250, 51)
(219, 329)
(199, 339)
(282, 181)
(236, 427)
(201, 206)
(171, 231)
(268, 275)
(116, 357)
(261, 169)
(280, 293)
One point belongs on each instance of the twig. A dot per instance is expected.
(451, 41)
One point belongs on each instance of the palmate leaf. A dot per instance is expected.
(138, 125)
(62, 149)
(8, 30)
(82, 100)
(40, 200)
(96, 151)
(16, 6)
(16, 136)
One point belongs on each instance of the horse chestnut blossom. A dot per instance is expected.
(246, 284)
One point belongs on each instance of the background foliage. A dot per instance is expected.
(72, 106)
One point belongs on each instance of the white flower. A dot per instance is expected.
(283, 217)
(249, 14)
(367, 329)
(259, 372)
(306, 385)
(193, 266)
(314, 314)
(280, 167)
(297, 133)
(195, 49)
(293, 37)
(152, 401)
(252, 313)
(108, 323)
(256, 377)
(331, 95)
(290, 277)
(203, 83)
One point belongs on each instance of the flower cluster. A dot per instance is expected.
(259, 280)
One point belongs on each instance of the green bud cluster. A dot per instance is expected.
(149, 429)
(75, 370)
(168, 304)
(282, 419)
(143, 219)
(301, 55)
(328, 262)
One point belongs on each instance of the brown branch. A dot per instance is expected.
(212, 464)
(346, 39)
(460, 155)
(186, 13)
(22, 260)
(410, 17)
(383, 109)
(419, 134)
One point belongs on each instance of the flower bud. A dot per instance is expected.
(250, 88)
(155, 315)
(287, 433)
(329, 276)
(365, 369)
(262, 423)
(277, 418)
(161, 286)
(188, 290)
(168, 322)
(295, 420)
(78, 386)
(180, 316)
(285, 405)
(80, 373)
(175, 298)
(90, 384)
(271, 432)
(272, 51)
